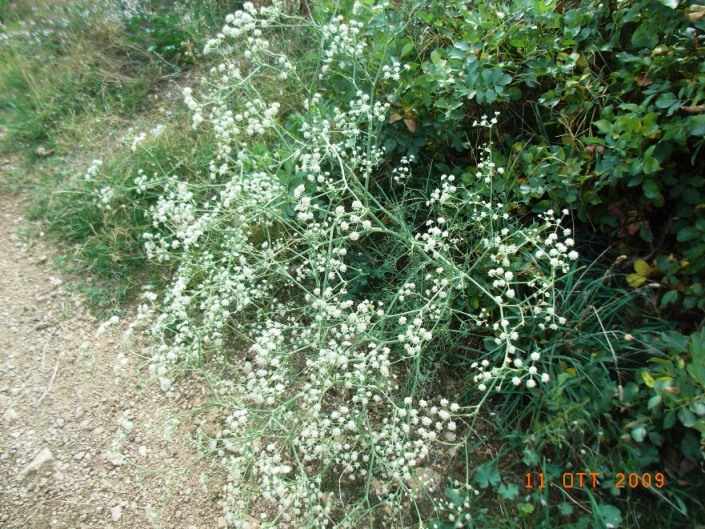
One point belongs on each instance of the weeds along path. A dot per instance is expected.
(86, 440)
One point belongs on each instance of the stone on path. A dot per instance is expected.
(116, 513)
(41, 459)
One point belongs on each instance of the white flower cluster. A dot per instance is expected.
(92, 171)
(392, 72)
(458, 514)
(246, 25)
(402, 172)
(445, 192)
(106, 197)
(341, 39)
(142, 181)
(138, 139)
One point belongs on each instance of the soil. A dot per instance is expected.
(87, 440)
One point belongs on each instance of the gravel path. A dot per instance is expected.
(86, 440)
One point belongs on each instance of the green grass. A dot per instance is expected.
(71, 97)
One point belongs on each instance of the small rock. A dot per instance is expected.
(222, 523)
(79, 456)
(143, 451)
(43, 325)
(10, 415)
(116, 513)
(116, 459)
(43, 458)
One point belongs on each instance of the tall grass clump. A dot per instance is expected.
(75, 79)
(331, 421)
(65, 67)
(59, 61)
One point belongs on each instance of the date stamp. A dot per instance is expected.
(572, 480)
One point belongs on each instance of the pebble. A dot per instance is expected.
(10, 415)
(116, 459)
(116, 513)
(42, 459)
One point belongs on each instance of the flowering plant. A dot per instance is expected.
(330, 418)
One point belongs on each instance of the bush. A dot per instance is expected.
(602, 112)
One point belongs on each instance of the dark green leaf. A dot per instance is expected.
(487, 474)
(696, 125)
(669, 297)
(508, 492)
(667, 100)
(609, 515)
(690, 446)
(644, 36)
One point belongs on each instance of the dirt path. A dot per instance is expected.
(86, 440)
